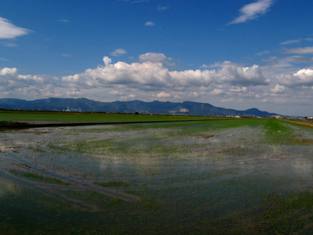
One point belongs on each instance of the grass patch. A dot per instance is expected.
(278, 132)
(36, 177)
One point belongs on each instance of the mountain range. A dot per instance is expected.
(136, 106)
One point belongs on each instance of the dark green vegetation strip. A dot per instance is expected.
(37, 177)
(11, 125)
(24, 125)
(32, 116)
(34, 119)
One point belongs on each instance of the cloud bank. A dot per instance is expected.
(152, 76)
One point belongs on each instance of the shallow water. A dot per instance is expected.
(109, 180)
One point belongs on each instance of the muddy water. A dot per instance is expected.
(108, 180)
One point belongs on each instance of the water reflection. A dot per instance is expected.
(227, 171)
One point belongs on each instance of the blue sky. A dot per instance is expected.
(237, 54)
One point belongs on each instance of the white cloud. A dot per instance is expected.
(151, 73)
(9, 30)
(163, 95)
(216, 92)
(300, 50)
(118, 52)
(301, 78)
(242, 75)
(20, 85)
(304, 76)
(252, 10)
(278, 89)
(153, 57)
(7, 71)
(107, 60)
(228, 83)
(149, 24)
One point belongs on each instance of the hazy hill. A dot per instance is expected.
(154, 107)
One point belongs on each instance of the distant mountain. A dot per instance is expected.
(154, 107)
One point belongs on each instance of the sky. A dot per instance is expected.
(237, 54)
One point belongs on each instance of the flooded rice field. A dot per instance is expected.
(213, 177)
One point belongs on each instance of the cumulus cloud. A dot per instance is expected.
(11, 82)
(150, 78)
(150, 72)
(242, 75)
(17, 85)
(252, 10)
(304, 73)
(301, 78)
(7, 71)
(107, 60)
(304, 76)
(9, 30)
